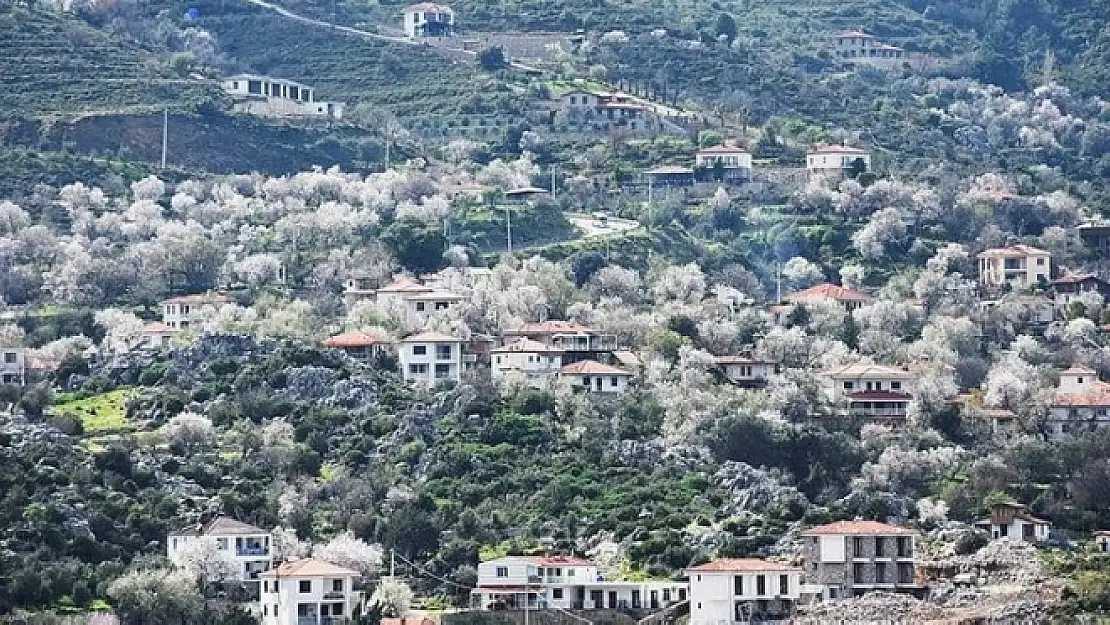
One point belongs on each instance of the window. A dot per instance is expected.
(275, 609)
(275, 587)
(221, 544)
(570, 572)
(905, 547)
(556, 593)
(784, 584)
(849, 386)
(879, 547)
(337, 609)
(857, 573)
(905, 573)
(880, 572)
(1079, 380)
(305, 586)
(857, 547)
(10, 357)
(502, 571)
(760, 585)
(498, 360)
(265, 610)
(1040, 262)
(442, 305)
(265, 588)
(337, 585)
(738, 584)
(443, 371)
(418, 369)
(419, 350)
(613, 381)
(175, 543)
(419, 306)
(895, 386)
(834, 593)
(666, 594)
(443, 352)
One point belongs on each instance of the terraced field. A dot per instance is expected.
(55, 65)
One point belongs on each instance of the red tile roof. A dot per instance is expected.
(427, 7)
(592, 367)
(199, 298)
(527, 346)
(157, 328)
(1098, 396)
(1076, 278)
(560, 560)
(722, 149)
(740, 565)
(827, 292)
(1013, 251)
(431, 337)
(858, 528)
(309, 568)
(405, 284)
(358, 338)
(552, 327)
(837, 149)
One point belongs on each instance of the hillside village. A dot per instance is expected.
(553, 313)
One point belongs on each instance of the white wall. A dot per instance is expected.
(13, 365)
(713, 595)
(534, 369)
(428, 360)
(833, 549)
(281, 607)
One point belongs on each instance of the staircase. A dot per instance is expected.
(667, 616)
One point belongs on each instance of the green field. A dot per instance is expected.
(106, 412)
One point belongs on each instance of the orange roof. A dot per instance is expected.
(740, 360)
(157, 328)
(405, 284)
(199, 298)
(358, 338)
(1075, 278)
(827, 292)
(427, 7)
(722, 149)
(309, 568)
(431, 337)
(1013, 251)
(527, 346)
(551, 327)
(560, 560)
(741, 565)
(1098, 396)
(837, 149)
(592, 367)
(1078, 370)
(854, 528)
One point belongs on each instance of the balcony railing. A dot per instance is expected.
(535, 579)
(252, 551)
(334, 594)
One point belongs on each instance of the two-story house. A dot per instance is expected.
(859, 48)
(244, 547)
(362, 345)
(277, 97)
(746, 372)
(1081, 403)
(877, 392)
(428, 19)
(185, 311)
(1102, 541)
(309, 592)
(13, 365)
(577, 342)
(850, 558)
(848, 298)
(414, 299)
(1067, 288)
(1017, 266)
(513, 582)
(732, 163)
(836, 161)
(526, 361)
(736, 591)
(595, 377)
(1010, 519)
(156, 336)
(431, 358)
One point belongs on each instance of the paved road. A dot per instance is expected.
(593, 227)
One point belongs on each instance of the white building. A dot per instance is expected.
(735, 163)
(859, 48)
(1011, 519)
(430, 358)
(736, 591)
(1102, 541)
(835, 161)
(413, 299)
(428, 19)
(1081, 403)
(595, 377)
(13, 365)
(156, 336)
(1018, 266)
(276, 97)
(526, 361)
(362, 345)
(566, 583)
(746, 372)
(309, 592)
(179, 313)
(878, 392)
(244, 547)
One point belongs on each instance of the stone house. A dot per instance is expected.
(851, 558)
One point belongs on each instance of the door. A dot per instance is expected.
(596, 599)
(635, 599)
(612, 600)
(655, 600)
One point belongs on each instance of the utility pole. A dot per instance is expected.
(552, 181)
(509, 235)
(778, 283)
(392, 564)
(526, 599)
(165, 134)
(651, 186)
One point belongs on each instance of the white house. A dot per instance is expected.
(859, 48)
(878, 392)
(734, 162)
(308, 592)
(1102, 541)
(13, 365)
(428, 19)
(836, 160)
(566, 583)
(430, 358)
(595, 377)
(414, 299)
(848, 298)
(526, 361)
(156, 336)
(577, 342)
(1081, 403)
(362, 345)
(1018, 266)
(179, 313)
(746, 372)
(244, 547)
(735, 591)
(277, 97)
(1011, 519)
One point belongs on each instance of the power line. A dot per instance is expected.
(429, 573)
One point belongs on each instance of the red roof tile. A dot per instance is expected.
(552, 327)
(827, 292)
(740, 565)
(722, 149)
(1098, 396)
(358, 338)
(560, 560)
(592, 367)
(858, 528)
(837, 149)
(309, 568)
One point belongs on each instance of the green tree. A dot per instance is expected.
(416, 245)
(492, 59)
(726, 27)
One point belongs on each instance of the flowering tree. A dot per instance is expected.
(393, 598)
(347, 551)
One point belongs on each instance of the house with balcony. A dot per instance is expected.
(156, 336)
(577, 342)
(362, 345)
(836, 161)
(742, 590)
(851, 558)
(723, 162)
(1102, 541)
(604, 110)
(409, 297)
(431, 358)
(1080, 404)
(595, 377)
(1069, 287)
(244, 547)
(185, 311)
(876, 392)
(309, 592)
(567, 583)
(277, 97)
(526, 362)
(1010, 519)
(856, 47)
(13, 365)
(1014, 266)
(848, 298)
(428, 19)
(746, 372)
